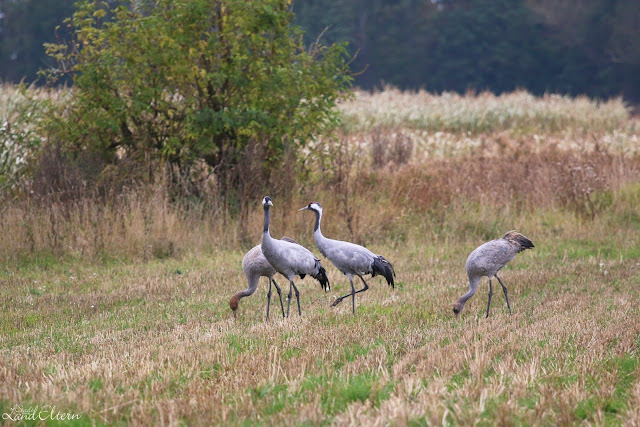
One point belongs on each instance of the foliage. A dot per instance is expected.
(454, 45)
(586, 47)
(195, 82)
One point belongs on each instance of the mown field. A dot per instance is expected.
(119, 312)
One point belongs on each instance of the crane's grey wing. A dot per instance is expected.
(255, 262)
(301, 260)
(290, 240)
(349, 257)
(307, 260)
(490, 257)
(291, 259)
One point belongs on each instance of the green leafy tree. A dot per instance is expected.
(196, 82)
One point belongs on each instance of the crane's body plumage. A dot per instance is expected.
(349, 258)
(486, 260)
(255, 265)
(290, 259)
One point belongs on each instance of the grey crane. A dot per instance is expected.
(255, 266)
(350, 259)
(486, 260)
(290, 259)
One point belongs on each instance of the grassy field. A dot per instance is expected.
(120, 312)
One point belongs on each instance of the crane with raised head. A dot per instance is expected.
(290, 259)
(350, 259)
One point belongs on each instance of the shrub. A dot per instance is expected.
(195, 83)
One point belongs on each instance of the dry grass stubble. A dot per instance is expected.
(119, 310)
(156, 343)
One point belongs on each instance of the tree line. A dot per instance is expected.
(573, 47)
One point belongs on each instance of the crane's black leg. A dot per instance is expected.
(279, 295)
(297, 299)
(504, 289)
(268, 299)
(353, 298)
(289, 296)
(490, 293)
(364, 283)
(339, 300)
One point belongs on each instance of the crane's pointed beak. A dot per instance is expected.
(304, 209)
(235, 314)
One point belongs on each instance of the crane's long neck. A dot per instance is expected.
(316, 227)
(252, 281)
(321, 242)
(267, 218)
(317, 233)
(235, 299)
(473, 287)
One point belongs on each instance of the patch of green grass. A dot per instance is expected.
(272, 397)
(488, 373)
(458, 378)
(351, 353)
(238, 344)
(375, 311)
(523, 355)
(491, 408)
(337, 391)
(417, 422)
(562, 381)
(357, 387)
(608, 249)
(95, 384)
(585, 408)
(209, 372)
(626, 367)
(177, 385)
(291, 352)
(530, 401)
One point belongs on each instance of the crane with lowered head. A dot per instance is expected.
(486, 260)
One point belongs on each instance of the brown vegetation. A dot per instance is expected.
(115, 303)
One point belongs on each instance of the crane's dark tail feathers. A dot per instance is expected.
(522, 241)
(384, 268)
(323, 279)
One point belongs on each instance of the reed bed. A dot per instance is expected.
(483, 112)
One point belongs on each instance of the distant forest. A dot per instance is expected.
(563, 46)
